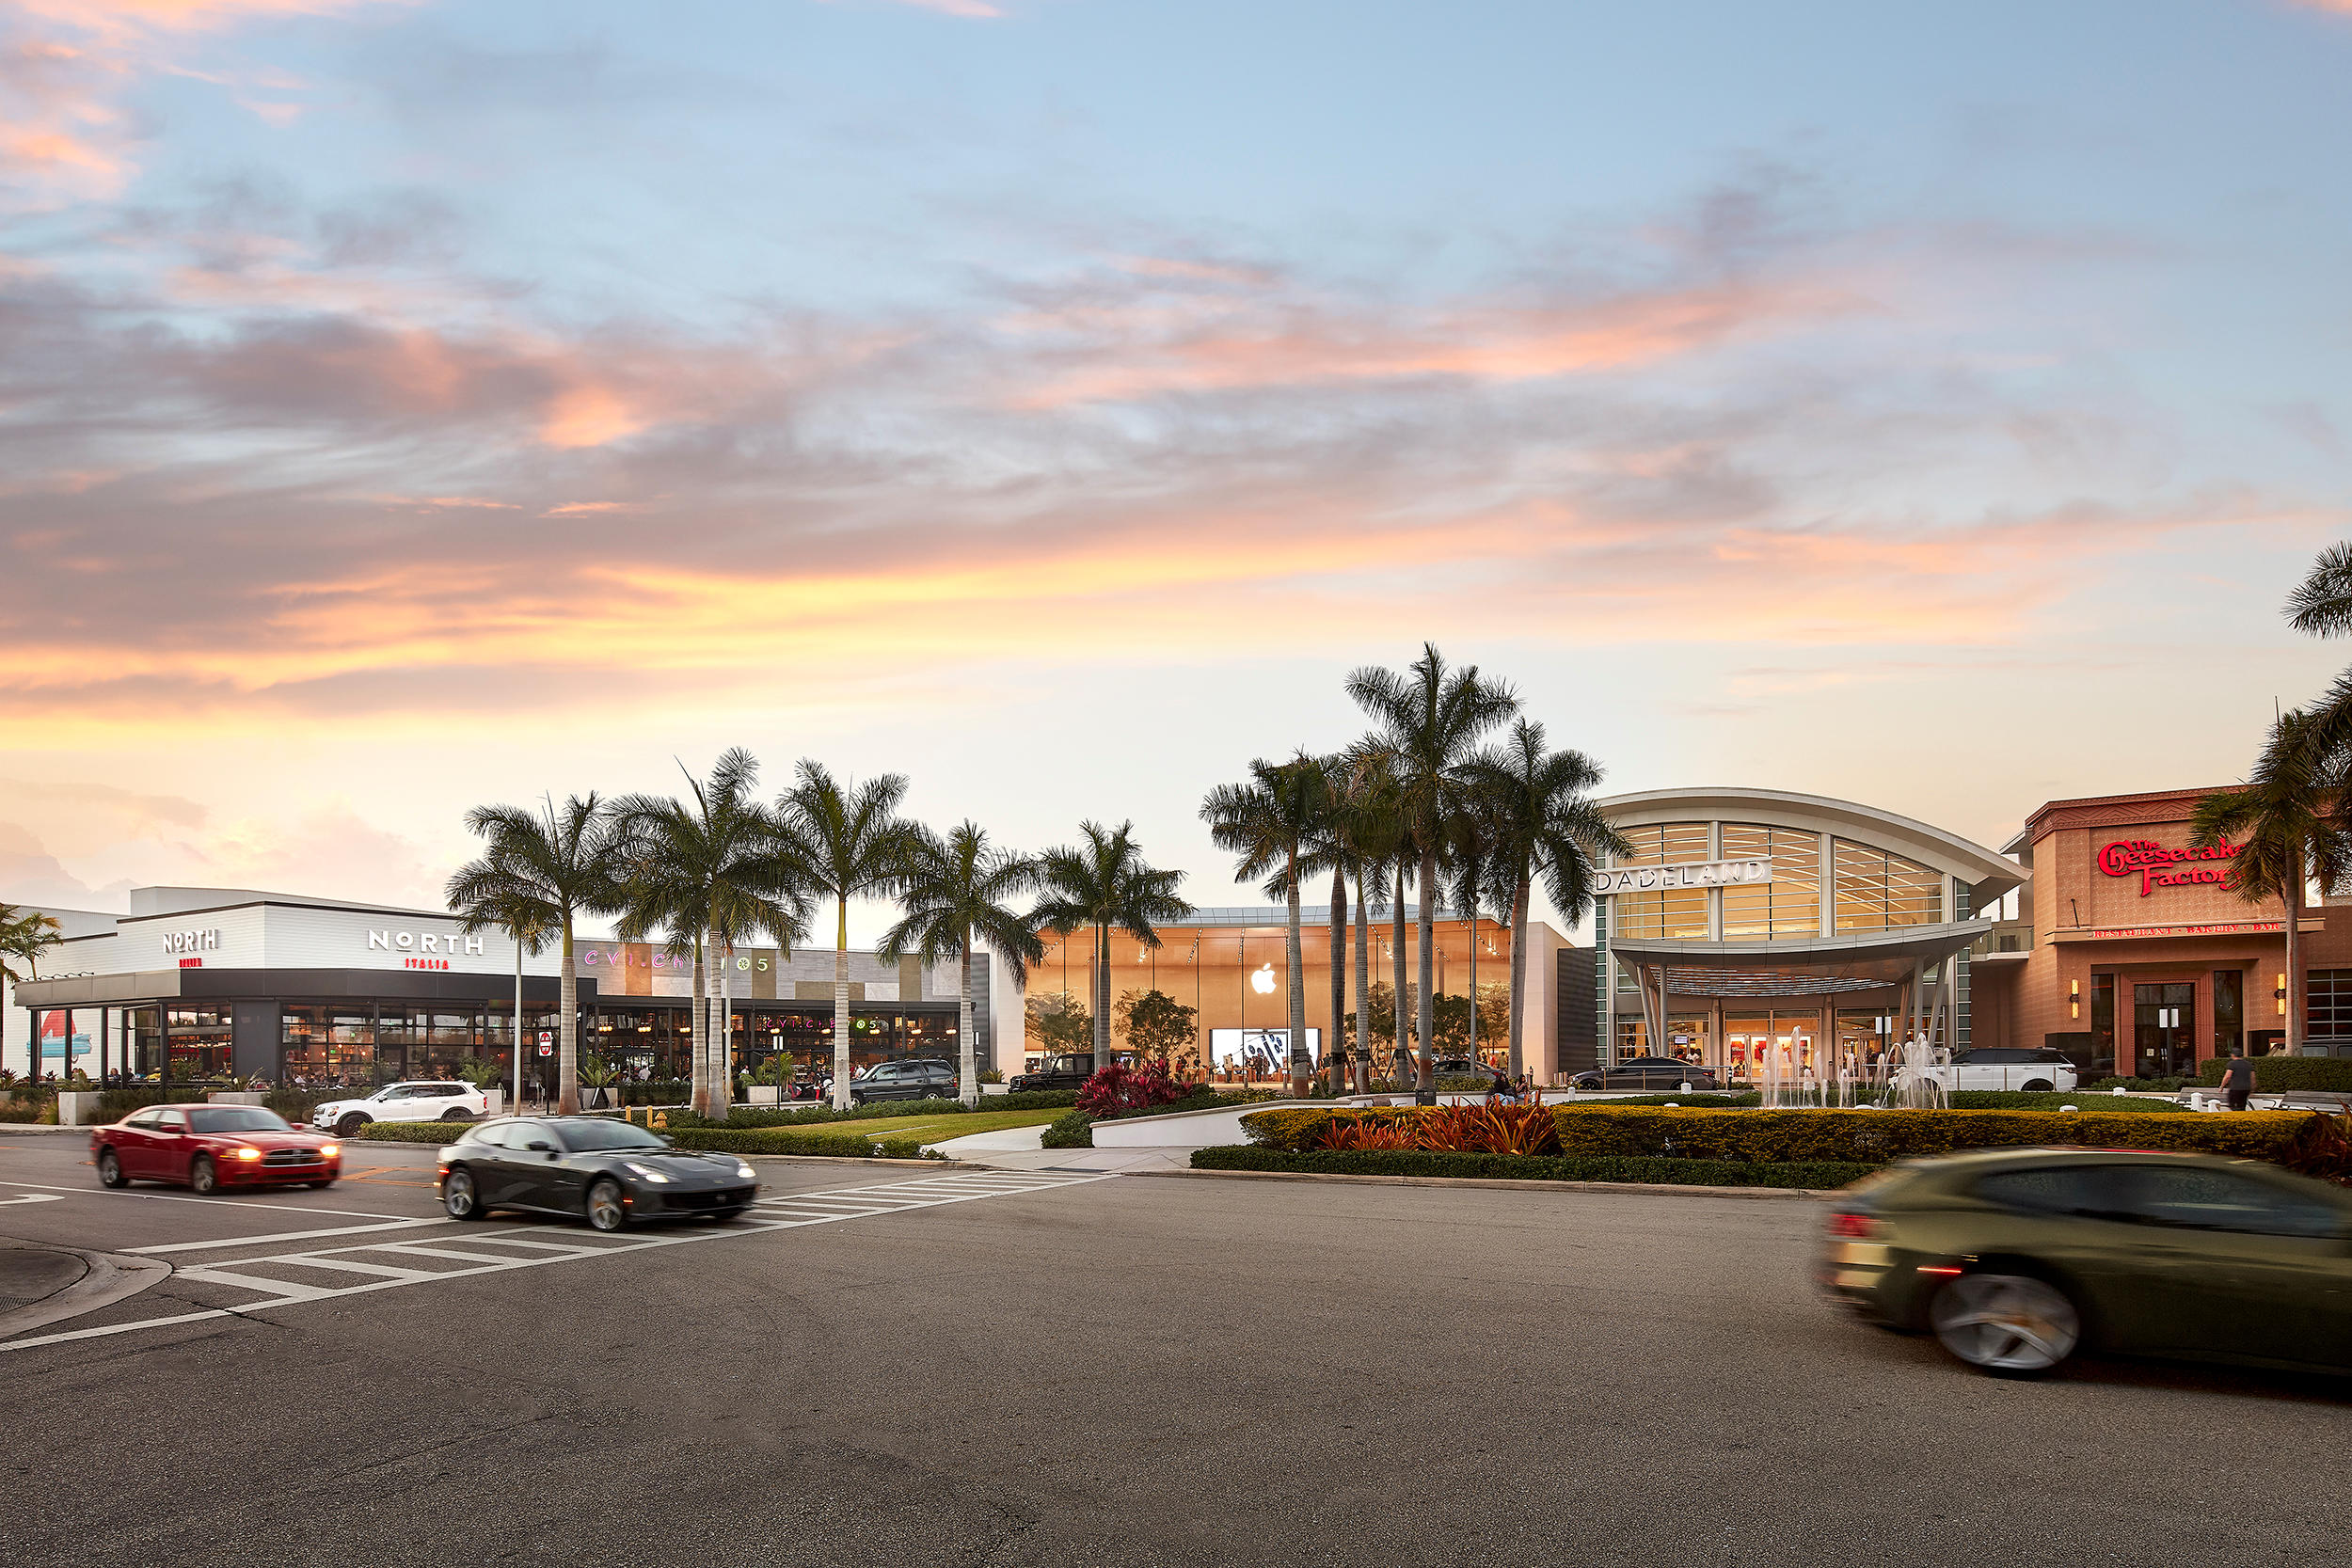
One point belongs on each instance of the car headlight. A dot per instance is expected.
(745, 1171)
(328, 1152)
(646, 1171)
(249, 1154)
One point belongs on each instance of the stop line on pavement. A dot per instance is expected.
(409, 1258)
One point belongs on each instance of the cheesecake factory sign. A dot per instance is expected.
(1659, 878)
(2157, 866)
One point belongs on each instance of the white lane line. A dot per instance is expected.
(382, 1270)
(284, 1293)
(228, 1206)
(414, 1250)
(284, 1236)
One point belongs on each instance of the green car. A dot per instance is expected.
(2017, 1259)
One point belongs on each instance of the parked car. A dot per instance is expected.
(419, 1100)
(608, 1172)
(211, 1146)
(916, 1079)
(1059, 1072)
(2016, 1260)
(2009, 1067)
(1658, 1074)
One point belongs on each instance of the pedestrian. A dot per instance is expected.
(2237, 1082)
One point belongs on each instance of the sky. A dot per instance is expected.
(407, 405)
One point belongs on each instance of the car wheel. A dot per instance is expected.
(607, 1208)
(460, 1198)
(348, 1127)
(2007, 1325)
(110, 1169)
(203, 1179)
(455, 1114)
(2039, 1086)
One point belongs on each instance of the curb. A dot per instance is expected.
(1506, 1184)
(109, 1279)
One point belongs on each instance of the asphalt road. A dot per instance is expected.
(1127, 1371)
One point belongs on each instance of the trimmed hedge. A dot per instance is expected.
(1875, 1137)
(1074, 1131)
(2332, 1074)
(411, 1131)
(2082, 1100)
(771, 1140)
(1817, 1174)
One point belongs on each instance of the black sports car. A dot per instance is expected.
(607, 1170)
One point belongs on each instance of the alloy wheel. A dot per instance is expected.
(202, 1179)
(110, 1170)
(2012, 1324)
(458, 1195)
(606, 1212)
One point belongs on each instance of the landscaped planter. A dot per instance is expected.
(761, 1094)
(237, 1096)
(995, 1088)
(78, 1108)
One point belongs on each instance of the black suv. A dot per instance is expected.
(920, 1080)
(1059, 1072)
(1660, 1073)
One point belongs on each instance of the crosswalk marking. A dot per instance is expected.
(783, 1212)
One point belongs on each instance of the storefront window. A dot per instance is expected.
(1860, 1039)
(2329, 998)
(2102, 1025)
(2228, 1011)
(1878, 891)
(1788, 906)
(1680, 914)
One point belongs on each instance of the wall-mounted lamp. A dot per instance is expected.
(2074, 999)
(2282, 994)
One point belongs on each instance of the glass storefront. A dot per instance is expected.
(1878, 890)
(1788, 906)
(1681, 914)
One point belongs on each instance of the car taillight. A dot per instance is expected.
(1849, 1225)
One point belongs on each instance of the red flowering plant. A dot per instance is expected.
(1120, 1087)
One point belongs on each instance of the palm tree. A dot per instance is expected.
(850, 842)
(1471, 836)
(2286, 824)
(954, 891)
(24, 936)
(547, 868)
(524, 924)
(1104, 884)
(1429, 719)
(1272, 823)
(2322, 605)
(1546, 826)
(711, 872)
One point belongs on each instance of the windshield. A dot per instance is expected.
(236, 1119)
(591, 1135)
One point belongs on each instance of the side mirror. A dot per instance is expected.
(540, 1145)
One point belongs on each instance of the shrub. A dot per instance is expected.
(1522, 1168)
(1120, 1087)
(2019, 1100)
(2322, 1147)
(1875, 1137)
(1074, 1131)
(411, 1131)
(782, 1140)
(2273, 1074)
(2144, 1085)
(1702, 1101)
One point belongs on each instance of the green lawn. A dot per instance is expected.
(940, 1129)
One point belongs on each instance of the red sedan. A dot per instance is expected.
(212, 1146)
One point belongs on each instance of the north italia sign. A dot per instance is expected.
(1660, 878)
(2157, 865)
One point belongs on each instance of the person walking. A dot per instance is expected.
(2237, 1080)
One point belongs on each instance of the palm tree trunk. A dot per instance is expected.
(841, 1006)
(1401, 1064)
(1297, 989)
(1363, 988)
(516, 1039)
(723, 1042)
(567, 1026)
(2293, 899)
(1102, 989)
(1335, 1043)
(1424, 1009)
(1519, 974)
(967, 1071)
(1476, 1061)
(698, 1035)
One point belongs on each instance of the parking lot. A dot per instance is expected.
(942, 1365)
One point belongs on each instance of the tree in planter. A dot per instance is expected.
(1060, 1024)
(550, 867)
(956, 889)
(850, 842)
(523, 920)
(1102, 884)
(2285, 824)
(1159, 1028)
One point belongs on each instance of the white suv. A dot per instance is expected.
(427, 1101)
(2010, 1067)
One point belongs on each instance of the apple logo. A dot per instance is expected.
(1263, 981)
